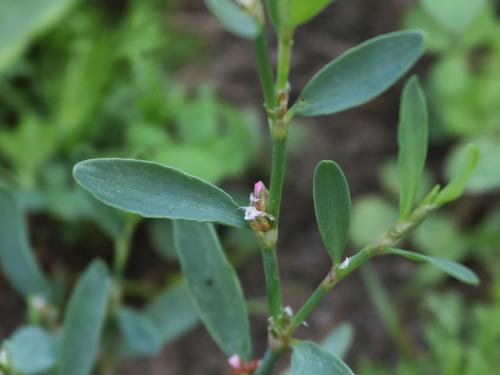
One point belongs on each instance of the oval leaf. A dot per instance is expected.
(309, 358)
(156, 191)
(332, 204)
(303, 11)
(84, 321)
(457, 186)
(360, 74)
(453, 269)
(140, 335)
(233, 18)
(214, 286)
(16, 256)
(32, 350)
(412, 138)
(454, 15)
(172, 313)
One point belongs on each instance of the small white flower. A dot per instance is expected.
(251, 213)
(345, 263)
(288, 311)
(39, 303)
(235, 361)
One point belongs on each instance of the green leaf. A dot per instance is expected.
(32, 350)
(456, 187)
(161, 235)
(16, 256)
(141, 337)
(309, 358)
(453, 269)
(332, 204)
(371, 215)
(234, 18)
(21, 21)
(303, 11)
(360, 74)
(272, 11)
(172, 312)
(214, 286)
(485, 178)
(412, 139)
(339, 340)
(84, 321)
(156, 191)
(454, 15)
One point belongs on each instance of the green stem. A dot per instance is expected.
(273, 285)
(277, 177)
(265, 71)
(269, 361)
(284, 60)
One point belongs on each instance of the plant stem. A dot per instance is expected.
(273, 285)
(284, 60)
(277, 177)
(269, 361)
(265, 71)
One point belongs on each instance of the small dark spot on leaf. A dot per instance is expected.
(209, 282)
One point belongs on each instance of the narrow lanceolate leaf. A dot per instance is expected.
(453, 269)
(309, 358)
(17, 260)
(156, 191)
(412, 137)
(303, 11)
(32, 350)
(234, 18)
(360, 74)
(332, 203)
(141, 338)
(84, 321)
(214, 286)
(457, 186)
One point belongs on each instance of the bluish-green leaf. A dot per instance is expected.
(454, 15)
(161, 235)
(16, 256)
(309, 358)
(339, 340)
(457, 186)
(156, 191)
(83, 321)
(32, 350)
(453, 269)
(172, 312)
(412, 138)
(141, 338)
(332, 203)
(21, 21)
(303, 11)
(360, 74)
(214, 286)
(234, 18)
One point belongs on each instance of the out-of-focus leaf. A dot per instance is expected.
(21, 21)
(162, 238)
(457, 185)
(454, 15)
(214, 285)
(272, 11)
(234, 18)
(141, 337)
(486, 176)
(339, 340)
(360, 74)
(412, 139)
(303, 11)
(83, 321)
(172, 312)
(32, 350)
(16, 256)
(309, 358)
(156, 191)
(453, 269)
(332, 203)
(371, 216)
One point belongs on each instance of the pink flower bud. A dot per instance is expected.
(258, 189)
(235, 362)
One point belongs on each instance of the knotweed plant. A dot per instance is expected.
(159, 191)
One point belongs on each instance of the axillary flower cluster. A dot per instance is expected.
(256, 215)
